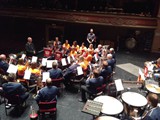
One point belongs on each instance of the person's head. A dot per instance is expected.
(66, 42)
(20, 61)
(105, 63)
(111, 50)
(99, 46)
(90, 46)
(91, 30)
(81, 59)
(29, 39)
(96, 73)
(54, 65)
(49, 82)
(152, 99)
(56, 39)
(75, 43)
(2, 57)
(11, 77)
(109, 56)
(33, 65)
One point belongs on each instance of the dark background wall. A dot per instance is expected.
(14, 33)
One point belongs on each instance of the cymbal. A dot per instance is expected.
(153, 88)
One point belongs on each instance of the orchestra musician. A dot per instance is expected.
(30, 49)
(152, 110)
(3, 63)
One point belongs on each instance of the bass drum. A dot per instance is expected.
(131, 43)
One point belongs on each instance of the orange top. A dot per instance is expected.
(67, 46)
(35, 71)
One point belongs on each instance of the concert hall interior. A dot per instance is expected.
(79, 60)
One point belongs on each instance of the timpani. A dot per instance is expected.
(107, 118)
(133, 101)
(111, 106)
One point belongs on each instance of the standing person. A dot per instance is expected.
(91, 38)
(30, 50)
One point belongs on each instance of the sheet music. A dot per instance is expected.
(27, 74)
(23, 56)
(44, 61)
(34, 59)
(63, 60)
(73, 57)
(141, 74)
(95, 56)
(79, 70)
(69, 60)
(45, 76)
(119, 85)
(12, 69)
(49, 63)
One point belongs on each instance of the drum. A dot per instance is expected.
(107, 118)
(133, 102)
(111, 106)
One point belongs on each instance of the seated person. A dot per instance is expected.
(66, 45)
(55, 72)
(69, 73)
(3, 63)
(153, 111)
(111, 61)
(21, 67)
(157, 69)
(14, 88)
(48, 93)
(34, 69)
(91, 85)
(106, 72)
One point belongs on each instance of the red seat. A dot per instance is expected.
(47, 107)
(47, 52)
(58, 55)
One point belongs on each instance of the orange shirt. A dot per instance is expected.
(21, 69)
(67, 46)
(35, 71)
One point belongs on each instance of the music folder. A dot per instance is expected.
(92, 107)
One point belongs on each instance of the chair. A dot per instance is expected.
(100, 91)
(47, 52)
(13, 101)
(47, 107)
(58, 83)
(58, 55)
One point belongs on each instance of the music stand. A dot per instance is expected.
(92, 107)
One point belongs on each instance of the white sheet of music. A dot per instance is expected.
(23, 56)
(119, 85)
(27, 74)
(49, 63)
(12, 69)
(141, 74)
(34, 59)
(44, 61)
(45, 76)
(79, 70)
(73, 57)
(69, 60)
(96, 58)
(63, 60)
